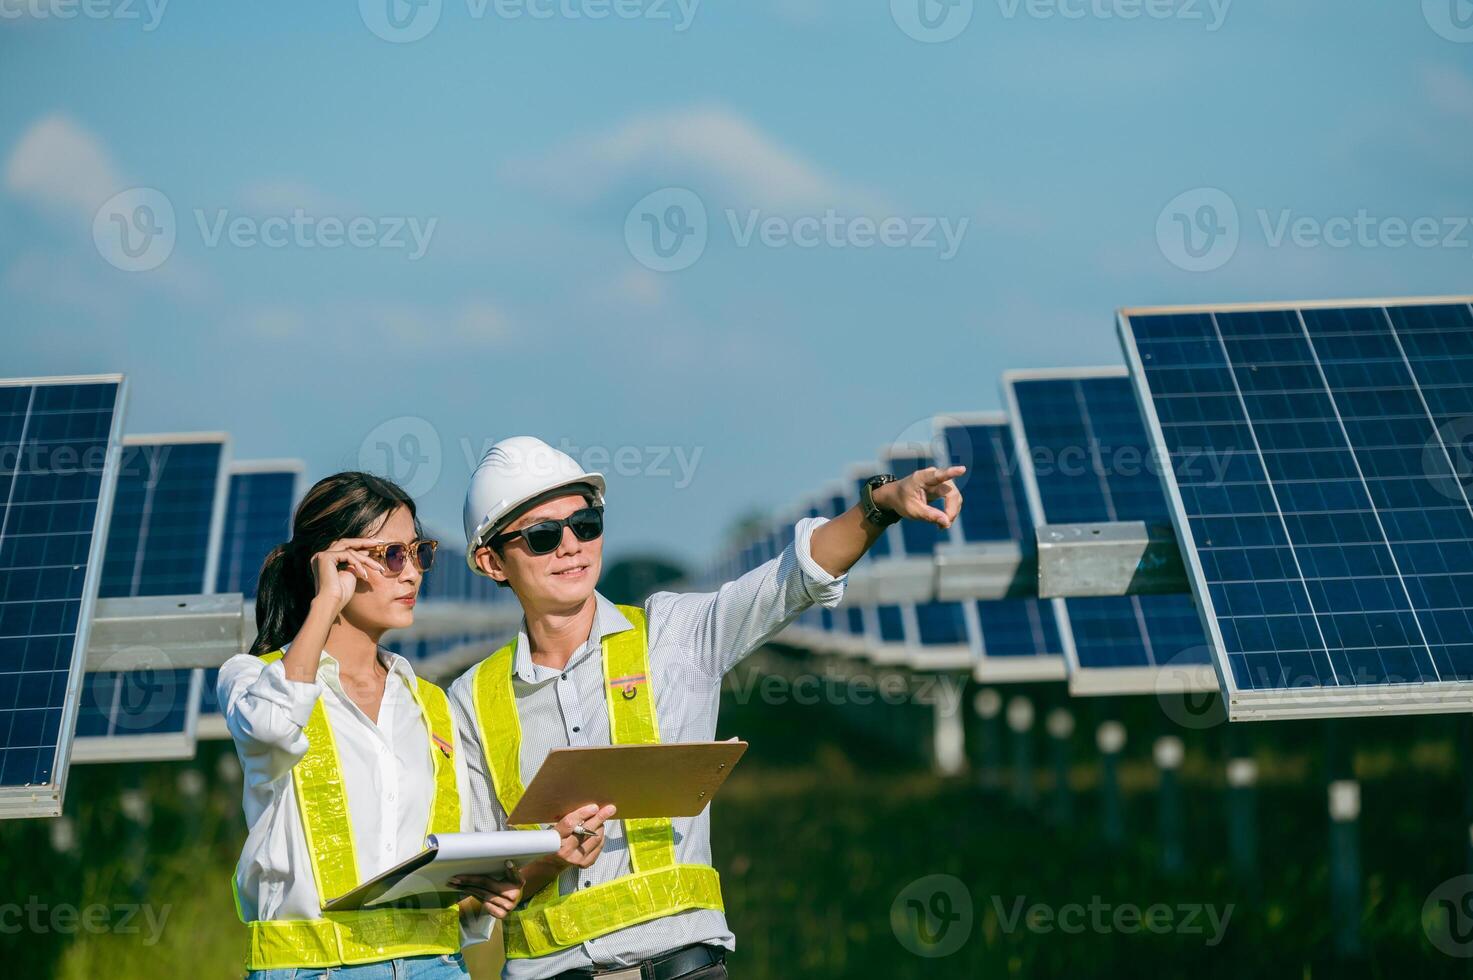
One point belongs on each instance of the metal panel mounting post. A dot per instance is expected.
(166, 632)
(1110, 559)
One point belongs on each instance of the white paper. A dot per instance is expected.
(485, 853)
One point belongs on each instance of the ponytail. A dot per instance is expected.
(344, 505)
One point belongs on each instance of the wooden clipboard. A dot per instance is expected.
(676, 779)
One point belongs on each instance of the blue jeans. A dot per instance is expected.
(449, 967)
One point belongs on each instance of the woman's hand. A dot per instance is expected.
(497, 894)
(337, 569)
(911, 496)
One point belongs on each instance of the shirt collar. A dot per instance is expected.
(607, 620)
(327, 667)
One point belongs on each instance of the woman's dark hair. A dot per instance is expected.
(344, 505)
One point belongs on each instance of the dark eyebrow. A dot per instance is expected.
(527, 520)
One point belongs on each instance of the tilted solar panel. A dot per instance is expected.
(1086, 458)
(1016, 638)
(1319, 484)
(258, 517)
(59, 449)
(163, 539)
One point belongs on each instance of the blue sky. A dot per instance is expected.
(1067, 146)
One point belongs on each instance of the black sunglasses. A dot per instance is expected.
(544, 536)
(393, 556)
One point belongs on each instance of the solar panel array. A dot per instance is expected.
(163, 539)
(258, 517)
(58, 465)
(1331, 544)
(1086, 459)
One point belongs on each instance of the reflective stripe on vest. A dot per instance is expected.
(375, 935)
(658, 886)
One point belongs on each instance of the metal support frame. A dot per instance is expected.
(1115, 559)
(165, 632)
(1074, 561)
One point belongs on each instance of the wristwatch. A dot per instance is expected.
(874, 513)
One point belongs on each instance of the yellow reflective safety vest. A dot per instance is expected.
(374, 935)
(657, 886)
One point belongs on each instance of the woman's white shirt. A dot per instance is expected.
(387, 774)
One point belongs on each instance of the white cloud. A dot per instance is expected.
(474, 321)
(286, 195)
(1449, 90)
(710, 149)
(60, 281)
(59, 164)
(481, 320)
(639, 288)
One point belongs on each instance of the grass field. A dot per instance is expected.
(820, 831)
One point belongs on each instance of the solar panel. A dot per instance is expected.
(1014, 639)
(1319, 485)
(163, 539)
(258, 517)
(59, 442)
(1086, 458)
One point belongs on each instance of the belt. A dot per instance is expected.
(666, 966)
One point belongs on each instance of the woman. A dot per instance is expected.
(349, 759)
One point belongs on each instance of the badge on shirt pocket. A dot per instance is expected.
(628, 686)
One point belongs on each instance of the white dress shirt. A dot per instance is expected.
(694, 639)
(387, 775)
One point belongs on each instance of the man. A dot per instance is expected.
(635, 899)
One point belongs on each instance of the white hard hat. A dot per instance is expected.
(511, 473)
